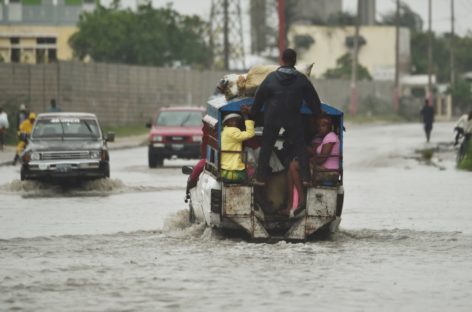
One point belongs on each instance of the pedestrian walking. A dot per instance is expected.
(21, 116)
(428, 118)
(3, 127)
(53, 107)
(282, 93)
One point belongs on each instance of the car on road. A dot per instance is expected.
(66, 145)
(175, 131)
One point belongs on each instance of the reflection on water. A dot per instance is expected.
(189, 267)
(405, 242)
(63, 187)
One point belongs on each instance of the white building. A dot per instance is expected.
(376, 52)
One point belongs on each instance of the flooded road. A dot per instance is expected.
(125, 245)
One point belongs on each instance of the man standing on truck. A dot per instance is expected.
(282, 92)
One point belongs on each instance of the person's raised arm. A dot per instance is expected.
(241, 136)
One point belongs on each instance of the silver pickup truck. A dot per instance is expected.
(66, 145)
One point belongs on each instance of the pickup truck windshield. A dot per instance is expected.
(179, 119)
(66, 128)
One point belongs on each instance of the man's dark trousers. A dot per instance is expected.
(269, 136)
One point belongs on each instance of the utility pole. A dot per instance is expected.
(282, 34)
(451, 46)
(430, 55)
(225, 35)
(355, 54)
(396, 95)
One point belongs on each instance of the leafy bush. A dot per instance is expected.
(466, 163)
(344, 69)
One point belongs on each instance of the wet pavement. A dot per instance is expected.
(6, 155)
(125, 244)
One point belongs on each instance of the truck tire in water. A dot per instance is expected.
(106, 171)
(191, 213)
(22, 173)
(154, 160)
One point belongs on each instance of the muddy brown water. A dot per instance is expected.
(125, 244)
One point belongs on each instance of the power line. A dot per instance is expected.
(226, 34)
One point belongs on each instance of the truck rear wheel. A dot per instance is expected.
(106, 171)
(152, 162)
(23, 173)
(191, 213)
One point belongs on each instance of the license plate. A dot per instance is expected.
(63, 167)
(177, 147)
(43, 167)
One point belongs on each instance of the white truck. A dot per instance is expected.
(237, 207)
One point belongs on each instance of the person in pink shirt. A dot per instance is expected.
(324, 159)
(325, 155)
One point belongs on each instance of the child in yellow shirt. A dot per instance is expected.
(233, 169)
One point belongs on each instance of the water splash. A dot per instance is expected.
(179, 225)
(66, 188)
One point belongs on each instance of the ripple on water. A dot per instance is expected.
(61, 188)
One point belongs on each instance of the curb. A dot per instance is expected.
(128, 146)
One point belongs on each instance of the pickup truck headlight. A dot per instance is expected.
(35, 156)
(95, 154)
(157, 138)
(197, 138)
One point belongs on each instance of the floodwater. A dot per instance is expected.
(125, 244)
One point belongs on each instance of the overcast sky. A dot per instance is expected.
(441, 11)
(440, 22)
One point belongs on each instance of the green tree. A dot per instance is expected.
(341, 19)
(159, 37)
(462, 53)
(344, 69)
(407, 17)
(462, 95)
(440, 46)
(419, 58)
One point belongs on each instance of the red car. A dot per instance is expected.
(175, 131)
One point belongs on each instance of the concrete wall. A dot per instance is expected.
(121, 94)
(374, 97)
(118, 94)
